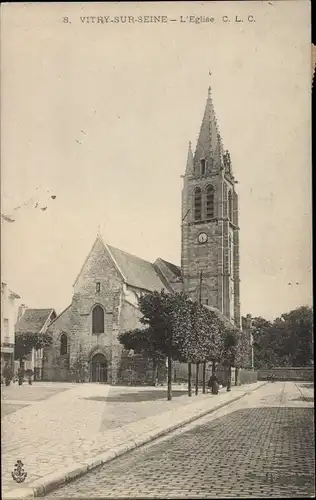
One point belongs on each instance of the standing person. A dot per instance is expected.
(213, 384)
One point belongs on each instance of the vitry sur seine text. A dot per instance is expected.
(160, 19)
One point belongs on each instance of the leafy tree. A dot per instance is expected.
(196, 335)
(216, 338)
(192, 328)
(298, 337)
(169, 320)
(243, 350)
(25, 342)
(287, 341)
(177, 328)
(263, 343)
(140, 341)
(161, 337)
(235, 350)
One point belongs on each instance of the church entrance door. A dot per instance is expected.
(98, 366)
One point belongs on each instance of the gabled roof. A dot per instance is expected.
(137, 272)
(33, 320)
(59, 315)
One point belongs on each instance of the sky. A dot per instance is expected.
(101, 115)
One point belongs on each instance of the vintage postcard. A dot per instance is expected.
(156, 269)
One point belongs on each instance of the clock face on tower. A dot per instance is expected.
(202, 238)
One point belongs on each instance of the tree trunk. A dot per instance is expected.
(189, 379)
(236, 376)
(204, 377)
(169, 378)
(229, 379)
(197, 379)
(155, 372)
(213, 367)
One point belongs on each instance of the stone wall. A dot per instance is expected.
(180, 372)
(245, 376)
(55, 366)
(287, 373)
(140, 370)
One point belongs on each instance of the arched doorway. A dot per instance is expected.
(98, 368)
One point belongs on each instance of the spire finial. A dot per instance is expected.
(98, 230)
(209, 87)
(189, 167)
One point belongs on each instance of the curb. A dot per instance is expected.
(52, 481)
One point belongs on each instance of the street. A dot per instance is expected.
(259, 446)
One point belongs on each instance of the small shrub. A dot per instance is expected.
(8, 375)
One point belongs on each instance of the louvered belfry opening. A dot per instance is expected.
(197, 204)
(209, 202)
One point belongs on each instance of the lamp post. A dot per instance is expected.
(130, 355)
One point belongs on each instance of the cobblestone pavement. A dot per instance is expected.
(14, 397)
(260, 446)
(74, 425)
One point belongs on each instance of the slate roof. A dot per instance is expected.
(33, 320)
(137, 272)
(176, 270)
(225, 320)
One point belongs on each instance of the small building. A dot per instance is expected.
(35, 321)
(9, 314)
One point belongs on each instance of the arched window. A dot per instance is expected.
(203, 166)
(230, 206)
(63, 344)
(197, 204)
(97, 320)
(209, 202)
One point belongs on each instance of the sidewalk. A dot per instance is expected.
(82, 427)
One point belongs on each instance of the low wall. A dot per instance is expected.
(247, 376)
(287, 373)
(180, 374)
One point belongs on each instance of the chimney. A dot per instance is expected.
(247, 322)
(21, 311)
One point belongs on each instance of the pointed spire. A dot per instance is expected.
(190, 165)
(209, 145)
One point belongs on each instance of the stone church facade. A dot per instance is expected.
(106, 291)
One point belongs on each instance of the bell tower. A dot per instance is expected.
(210, 231)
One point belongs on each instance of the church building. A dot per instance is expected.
(107, 288)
